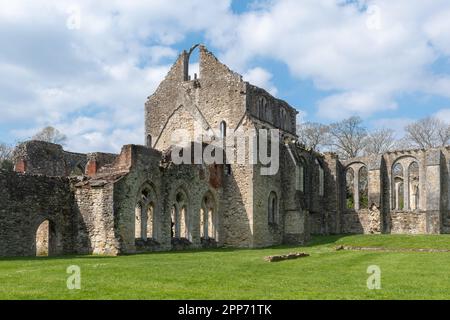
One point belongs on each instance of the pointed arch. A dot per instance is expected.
(350, 186)
(209, 217)
(414, 185)
(363, 188)
(147, 220)
(272, 208)
(223, 130)
(398, 186)
(181, 213)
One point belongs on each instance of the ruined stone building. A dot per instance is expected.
(58, 202)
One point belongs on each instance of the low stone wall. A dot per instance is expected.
(361, 222)
(423, 222)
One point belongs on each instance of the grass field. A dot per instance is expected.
(242, 274)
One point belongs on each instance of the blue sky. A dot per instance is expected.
(86, 67)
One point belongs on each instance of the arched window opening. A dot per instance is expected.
(350, 186)
(414, 186)
(273, 209)
(145, 218)
(363, 188)
(138, 222)
(173, 223)
(46, 239)
(223, 130)
(183, 223)
(193, 63)
(400, 195)
(398, 187)
(151, 221)
(180, 217)
(416, 199)
(208, 218)
(262, 108)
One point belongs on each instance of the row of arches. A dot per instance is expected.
(148, 221)
(264, 111)
(404, 185)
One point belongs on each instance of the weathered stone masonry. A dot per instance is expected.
(58, 202)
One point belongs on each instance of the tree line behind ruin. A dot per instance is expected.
(350, 138)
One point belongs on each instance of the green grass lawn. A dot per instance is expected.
(242, 274)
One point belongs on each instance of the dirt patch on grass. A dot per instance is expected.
(353, 248)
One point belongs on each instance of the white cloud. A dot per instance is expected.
(396, 124)
(350, 103)
(90, 81)
(262, 78)
(443, 114)
(331, 44)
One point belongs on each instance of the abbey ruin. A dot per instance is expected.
(59, 202)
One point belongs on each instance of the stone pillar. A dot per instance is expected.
(433, 191)
(177, 222)
(406, 183)
(375, 191)
(138, 222)
(396, 196)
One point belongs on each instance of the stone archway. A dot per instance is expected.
(47, 240)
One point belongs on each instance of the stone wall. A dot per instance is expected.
(38, 157)
(96, 232)
(26, 202)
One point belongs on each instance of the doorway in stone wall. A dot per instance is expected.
(46, 239)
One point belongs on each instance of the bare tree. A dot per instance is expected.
(6, 154)
(50, 134)
(348, 137)
(313, 135)
(429, 132)
(380, 141)
(5, 151)
(403, 144)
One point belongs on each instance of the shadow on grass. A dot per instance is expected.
(52, 258)
(315, 241)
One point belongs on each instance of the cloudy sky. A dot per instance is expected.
(87, 67)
